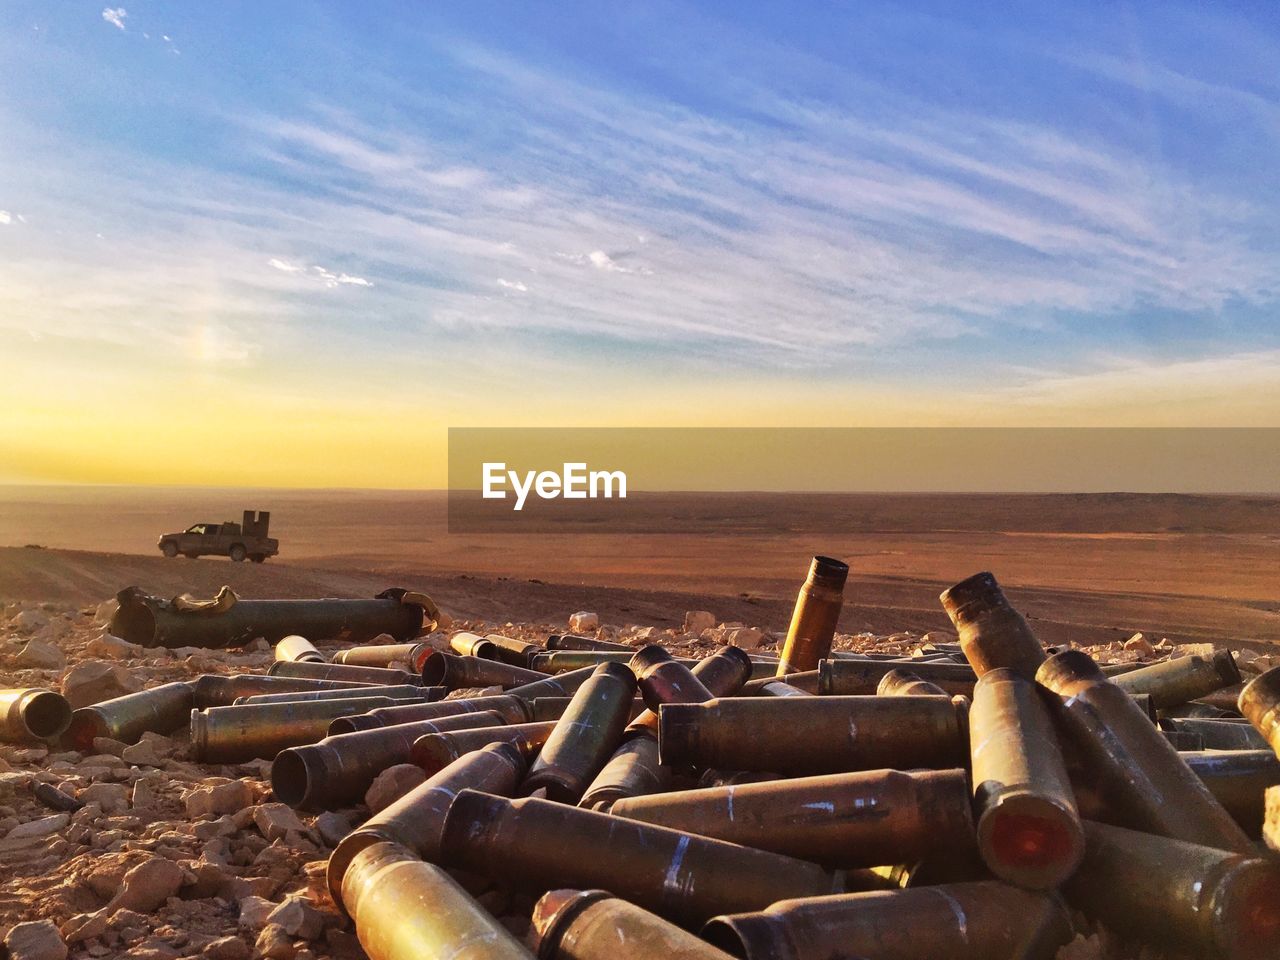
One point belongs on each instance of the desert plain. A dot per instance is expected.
(168, 858)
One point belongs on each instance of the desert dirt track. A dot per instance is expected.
(1084, 568)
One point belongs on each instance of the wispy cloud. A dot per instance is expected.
(323, 275)
(115, 16)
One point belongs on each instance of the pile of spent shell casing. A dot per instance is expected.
(980, 800)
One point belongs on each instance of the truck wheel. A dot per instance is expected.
(236, 552)
(169, 549)
(257, 557)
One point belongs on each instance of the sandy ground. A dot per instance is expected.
(1084, 568)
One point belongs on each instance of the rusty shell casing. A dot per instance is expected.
(153, 622)
(801, 736)
(632, 771)
(570, 641)
(553, 708)
(564, 661)
(806, 681)
(683, 877)
(992, 633)
(1218, 734)
(1029, 831)
(841, 820)
(813, 621)
(1139, 768)
(561, 685)
(1181, 679)
(212, 690)
(585, 737)
(435, 751)
(405, 909)
(780, 688)
(383, 655)
(337, 771)
(32, 713)
(512, 650)
(259, 732)
(852, 678)
(511, 709)
(959, 921)
(380, 676)
(416, 820)
(472, 645)
(294, 647)
(404, 691)
(904, 682)
(1260, 702)
(454, 672)
(1198, 899)
(160, 709)
(722, 674)
(592, 925)
(1238, 779)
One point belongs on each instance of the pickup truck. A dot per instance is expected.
(227, 539)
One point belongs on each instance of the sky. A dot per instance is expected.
(291, 244)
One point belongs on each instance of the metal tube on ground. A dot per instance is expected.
(294, 647)
(416, 820)
(1218, 734)
(512, 709)
(683, 877)
(435, 751)
(814, 619)
(337, 771)
(585, 737)
(780, 688)
(32, 713)
(1139, 768)
(472, 645)
(840, 820)
(563, 661)
(553, 708)
(404, 691)
(1238, 779)
(1191, 897)
(569, 641)
(454, 672)
(1181, 679)
(1029, 831)
(862, 678)
(381, 676)
(960, 921)
(237, 734)
(992, 633)
(383, 655)
(561, 685)
(591, 924)
(160, 709)
(803, 736)
(405, 909)
(1260, 702)
(806, 681)
(903, 682)
(212, 690)
(511, 650)
(154, 622)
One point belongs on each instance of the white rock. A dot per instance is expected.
(254, 912)
(298, 918)
(39, 828)
(92, 681)
(38, 655)
(695, 621)
(113, 648)
(746, 638)
(29, 621)
(584, 622)
(105, 611)
(38, 940)
(276, 820)
(392, 784)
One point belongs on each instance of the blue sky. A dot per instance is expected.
(1057, 210)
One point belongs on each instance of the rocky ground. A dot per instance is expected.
(167, 858)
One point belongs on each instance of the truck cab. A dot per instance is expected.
(227, 539)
